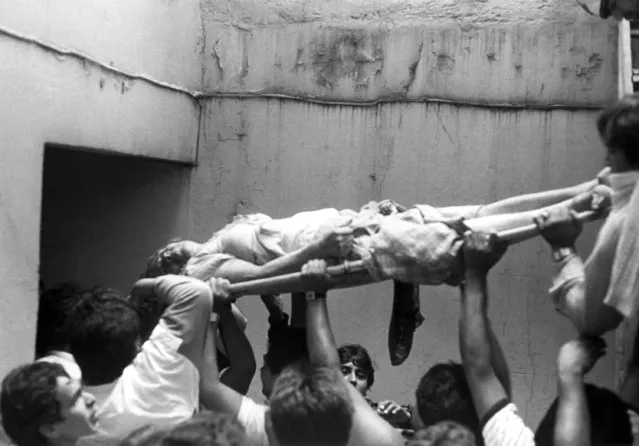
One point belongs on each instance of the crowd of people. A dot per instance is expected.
(170, 364)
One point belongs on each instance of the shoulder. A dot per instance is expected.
(502, 424)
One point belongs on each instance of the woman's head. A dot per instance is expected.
(357, 367)
(171, 258)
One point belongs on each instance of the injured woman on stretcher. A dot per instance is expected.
(420, 245)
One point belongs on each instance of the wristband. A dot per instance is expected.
(312, 295)
(561, 254)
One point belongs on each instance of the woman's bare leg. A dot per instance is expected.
(530, 202)
(501, 222)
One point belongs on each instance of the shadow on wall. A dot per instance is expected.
(103, 215)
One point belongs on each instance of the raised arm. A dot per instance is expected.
(575, 359)
(368, 427)
(481, 252)
(187, 306)
(239, 374)
(577, 292)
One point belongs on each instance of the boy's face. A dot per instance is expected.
(356, 377)
(78, 411)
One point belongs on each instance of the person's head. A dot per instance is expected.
(609, 419)
(310, 406)
(40, 405)
(171, 258)
(204, 429)
(54, 307)
(150, 309)
(443, 395)
(444, 433)
(357, 367)
(104, 335)
(619, 9)
(284, 347)
(618, 128)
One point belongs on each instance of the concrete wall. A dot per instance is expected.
(327, 146)
(280, 155)
(55, 97)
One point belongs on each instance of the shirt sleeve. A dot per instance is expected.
(252, 417)
(504, 427)
(190, 303)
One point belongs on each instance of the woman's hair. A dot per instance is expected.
(159, 264)
(359, 356)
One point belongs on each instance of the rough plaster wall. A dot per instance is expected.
(102, 215)
(47, 97)
(283, 156)
(294, 156)
(158, 38)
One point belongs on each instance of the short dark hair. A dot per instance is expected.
(29, 400)
(54, 307)
(286, 345)
(443, 395)
(310, 406)
(609, 419)
(150, 309)
(444, 433)
(359, 356)
(204, 429)
(104, 331)
(618, 127)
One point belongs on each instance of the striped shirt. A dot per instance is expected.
(502, 426)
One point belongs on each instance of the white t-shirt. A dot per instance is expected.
(161, 386)
(506, 428)
(66, 360)
(253, 417)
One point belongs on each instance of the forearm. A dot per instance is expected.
(322, 348)
(274, 307)
(572, 427)
(209, 375)
(474, 331)
(298, 310)
(241, 370)
(538, 200)
(498, 361)
(288, 263)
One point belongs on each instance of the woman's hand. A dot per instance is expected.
(336, 242)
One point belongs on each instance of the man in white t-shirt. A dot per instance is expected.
(155, 383)
(500, 422)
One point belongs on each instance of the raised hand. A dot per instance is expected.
(560, 228)
(221, 295)
(482, 250)
(336, 242)
(314, 276)
(578, 357)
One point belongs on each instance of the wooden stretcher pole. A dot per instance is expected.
(288, 283)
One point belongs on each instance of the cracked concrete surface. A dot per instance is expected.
(280, 157)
